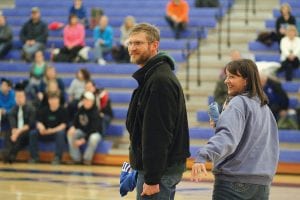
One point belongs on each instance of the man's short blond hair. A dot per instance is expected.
(151, 31)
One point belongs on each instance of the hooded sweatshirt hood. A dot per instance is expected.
(152, 63)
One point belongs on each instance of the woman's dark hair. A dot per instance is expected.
(71, 16)
(86, 74)
(248, 70)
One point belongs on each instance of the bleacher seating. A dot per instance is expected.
(115, 77)
(148, 11)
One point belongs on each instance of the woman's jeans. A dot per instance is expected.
(225, 190)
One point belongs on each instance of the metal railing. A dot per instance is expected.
(187, 52)
(247, 9)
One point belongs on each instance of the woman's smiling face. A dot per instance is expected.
(236, 84)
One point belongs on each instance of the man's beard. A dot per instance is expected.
(140, 59)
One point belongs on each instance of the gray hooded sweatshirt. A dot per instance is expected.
(245, 147)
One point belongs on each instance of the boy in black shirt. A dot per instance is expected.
(51, 125)
(86, 129)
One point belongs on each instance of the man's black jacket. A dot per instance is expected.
(157, 120)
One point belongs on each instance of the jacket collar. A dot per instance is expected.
(142, 74)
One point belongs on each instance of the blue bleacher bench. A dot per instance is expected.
(258, 46)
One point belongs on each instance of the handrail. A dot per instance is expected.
(254, 7)
(246, 11)
(200, 32)
(219, 18)
(228, 24)
(186, 54)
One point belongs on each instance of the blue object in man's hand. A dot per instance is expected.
(127, 179)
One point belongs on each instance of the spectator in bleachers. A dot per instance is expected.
(103, 38)
(290, 52)
(51, 125)
(79, 10)
(278, 98)
(36, 74)
(278, 101)
(33, 34)
(52, 87)
(7, 102)
(50, 74)
(76, 90)
(6, 37)
(85, 130)
(120, 52)
(286, 18)
(177, 15)
(74, 41)
(103, 104)
(22, 121)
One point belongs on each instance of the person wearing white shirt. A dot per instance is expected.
(290, 52)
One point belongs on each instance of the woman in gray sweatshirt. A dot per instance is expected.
(245, 147)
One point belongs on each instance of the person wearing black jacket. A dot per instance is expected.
(85, 130)
(156, 119)
(22, 121)
(278, 98)
(286, 18)
(103, 104)
(33, 35)
(6, 37)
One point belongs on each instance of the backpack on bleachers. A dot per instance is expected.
(267, 37)
(206, 3)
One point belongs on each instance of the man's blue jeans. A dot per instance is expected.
(58, 137)
(225, 190)
(89, 152)
(167, 187)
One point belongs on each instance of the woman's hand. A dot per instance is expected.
(197, 170)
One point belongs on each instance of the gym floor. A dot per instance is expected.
(22, 181)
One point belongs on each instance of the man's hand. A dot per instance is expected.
(41, 128)
(150, 189)
(79, 142)
(2, 111)
(15, 134)
(49, 131)
(291, 57)
(197, 170)
(100, 41)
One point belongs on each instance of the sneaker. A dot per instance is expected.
(72, 162)
(87, 162)
(101, 61)
(55, 161)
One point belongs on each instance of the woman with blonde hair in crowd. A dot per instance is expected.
(286, 18)
(120, 52)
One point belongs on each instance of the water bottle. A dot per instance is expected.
(213, 111)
